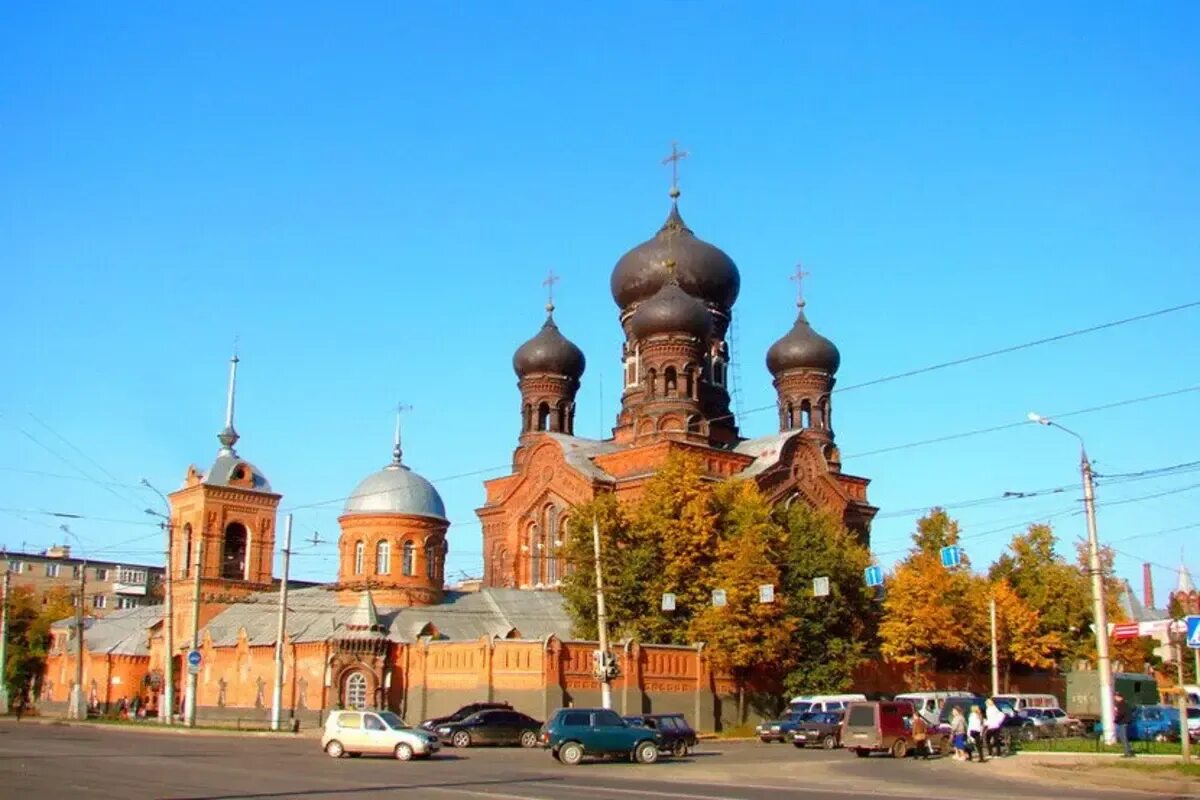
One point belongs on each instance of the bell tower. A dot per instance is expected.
(222, 529)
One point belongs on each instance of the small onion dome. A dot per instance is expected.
(396, 489)
(671, 310)
(703, 270)
(803, 348)
(549, 352)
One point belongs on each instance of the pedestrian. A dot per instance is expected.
(1123, 716)
(920, 732)
(975, 732)
(993, 721)
(123, 708)
(958, 733)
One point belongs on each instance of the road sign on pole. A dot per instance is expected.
(873, 576)
(1193, 631)
(718, 597)
(766, 593)
(1125, 630)
(194, 659)
(668, 601)
(821, 587)
(951, 556)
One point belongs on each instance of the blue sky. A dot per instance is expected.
(369, 199)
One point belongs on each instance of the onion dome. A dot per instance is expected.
(703, 270)
(396, 489)
(803, 348)
(671, 310)
(549, 352)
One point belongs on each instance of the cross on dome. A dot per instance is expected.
(798, 276)
(551, 279)
(676, 156)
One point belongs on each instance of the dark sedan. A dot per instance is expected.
(820, 729)
(495, 726)
(678, 737)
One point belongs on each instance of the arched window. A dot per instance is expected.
(689, 381)
(790, 416)
(564, 527)
(805, 414)
(543, 417)
(356, 691)
(409, 565)
(431, 559)
(693, 424)
(562, 416)
(535, 556)
(360, 551)
(186, 566)
(827, 413)
(822, 414)
(233, 552)
(653, 374)
(383, 558)
(669, 382)
(551, 545)
(526, 418)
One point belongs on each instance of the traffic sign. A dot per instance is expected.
(718, 597)
(873, 576)
(1126, 630)
(1193, 631)
(766, 593)
(668, 601)
(194, 659)
(821, 586)
(951, 556)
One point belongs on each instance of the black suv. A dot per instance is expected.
(678, 738)
(573, 732)
(463, 713)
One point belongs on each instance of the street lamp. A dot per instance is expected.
(1099, 613)
(166, 708)
(77, 705)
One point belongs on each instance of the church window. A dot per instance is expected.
(653, 381)
(630, 373)
(718, 371)
(431, 558)
(689, 381)
(356, 691)
(360, 550)
(805, 414)
(526, 418)
(551, 545)
(543, 417)
(669, 381)
(409, 559)
(233, 554)
(790, 416)
(186, 566)
(535, 556)
(693, 424)
(562, 416)
(826, 414)
(383, 558)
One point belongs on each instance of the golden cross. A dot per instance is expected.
(676, 156)
(798, 276)
(551, 279)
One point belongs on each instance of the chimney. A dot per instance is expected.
(1147, 587)
(58, 551)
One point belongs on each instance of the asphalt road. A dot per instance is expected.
(53, 762)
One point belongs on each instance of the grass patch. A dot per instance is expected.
(231, 727)
(738, 732)
(1093, 745)
(1190, 770)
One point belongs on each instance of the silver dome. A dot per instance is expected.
(396, 489)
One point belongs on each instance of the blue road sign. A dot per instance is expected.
(193, 658)
(1193, 631)
(951, 556)
(873, 576)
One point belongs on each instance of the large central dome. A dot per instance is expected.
(395, 489)
(703, 270)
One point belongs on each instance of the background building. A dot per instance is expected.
(107, 585)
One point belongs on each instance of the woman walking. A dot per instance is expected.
(958, 733)
(975, 732)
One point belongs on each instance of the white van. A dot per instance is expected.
(929, 704)
(1020, 702)
(823, 702)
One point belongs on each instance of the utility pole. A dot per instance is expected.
(1182, 699)
(995, 654)
(601, 623)
(189, 701)
(4, 644)
(281, 632)
(77, 707)
(166, 706)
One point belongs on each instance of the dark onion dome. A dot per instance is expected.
(703, 270)
(549, 352)
(671, 310)
(803, 348)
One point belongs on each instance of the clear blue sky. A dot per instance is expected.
(370, 196)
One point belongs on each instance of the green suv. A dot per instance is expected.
(573, 733)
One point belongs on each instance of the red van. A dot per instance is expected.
(878, 728)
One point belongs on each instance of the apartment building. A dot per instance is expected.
(107, 585)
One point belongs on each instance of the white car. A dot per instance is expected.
(381, 732)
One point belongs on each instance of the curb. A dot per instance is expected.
(1175, 787)
(158, 729)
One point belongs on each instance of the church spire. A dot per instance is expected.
(396, 451)
(228, 436)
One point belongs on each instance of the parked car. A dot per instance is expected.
(357, 732)
(461, 714)
(494, 726)
(1156, 723)
(678, 737)
(781, 730)
(878, 727)
(573, 733)
(929, 704)
(1052, 722)
(823, 729)
(822, 702)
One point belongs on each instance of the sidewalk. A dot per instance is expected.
(177, 729)
(1101, 770)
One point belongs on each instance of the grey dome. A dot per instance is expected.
(702, 269)
(396, 489)
(671, 310)
(229, 470)
(803, 348)
(550, 352)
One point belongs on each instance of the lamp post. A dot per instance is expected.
(166, 710)
(77, 706)
(1099, 613)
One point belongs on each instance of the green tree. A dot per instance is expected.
(831, 634)
(29, 622)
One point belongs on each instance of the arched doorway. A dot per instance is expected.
(355, 692)
(233, 552)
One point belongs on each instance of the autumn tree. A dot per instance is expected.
(1020, 636)
(830, 634)
(29, 622)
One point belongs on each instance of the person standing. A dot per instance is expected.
(993, 721)
(958, 733)
(975, 732)
(920, 732)
(1123, 716)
